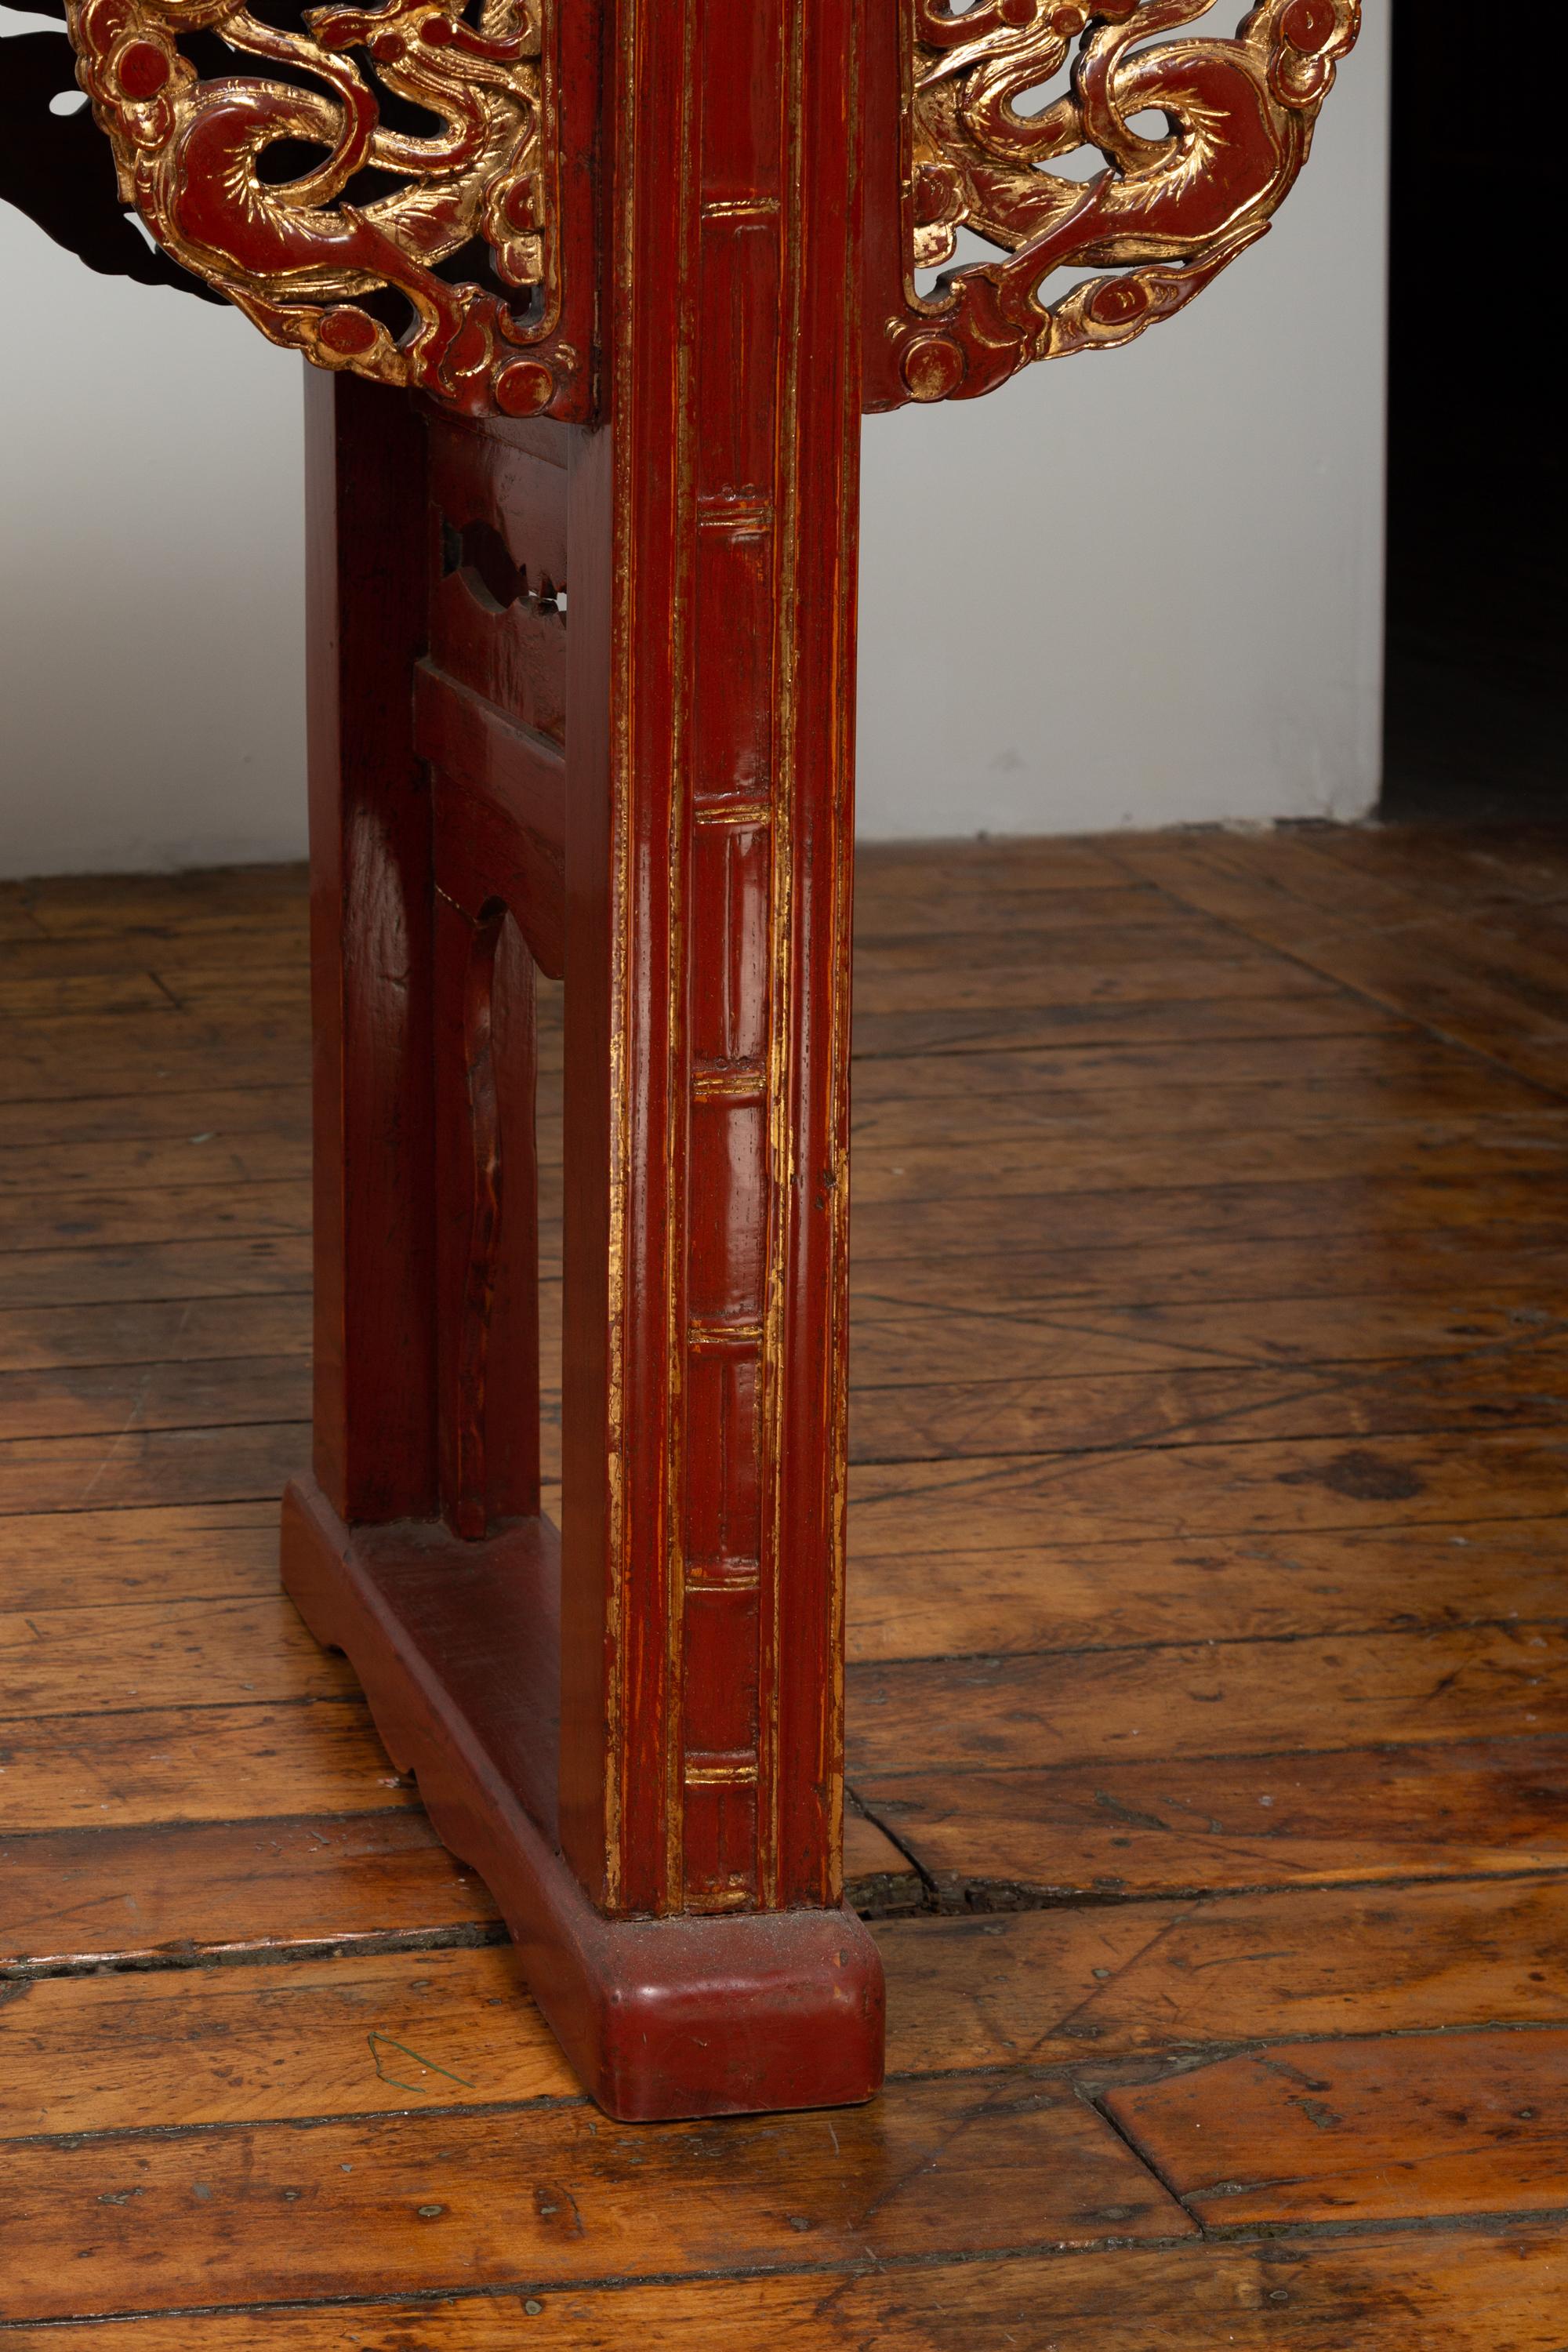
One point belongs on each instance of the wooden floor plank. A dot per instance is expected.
(123, 1120)
(277, 1152)
(1357, 1690)
(1126, 1979)
(982, 903)
(362, 2034)
(909, 1344)
(1210, 1674)
(144, 1466)
(1138, 926)
(942, 1603)
(194, 1763)
(1521, 1385)
(1515, 950)
(356, 2032)
(1441, 2125)
(158, 1335)
(1400, 1055)
(1288, 1013)
(155, 1272)
(1472, 2292)
(1109, 1829)
(172, 1896)
(83, 1220)
(1274, 1486)
(17, 922)
(1354, 1259)
(1056, 1111)
(74, 1402)
(897, 869)
(1034, 1166)
(1464, 988)
(1111, 1219)
(215, 899)
(217, 990)
(546, 2195)
(156, 1654)
(80, 1559)
(1509, 866)
(71, 994)
(75, 1060)
(277, 943)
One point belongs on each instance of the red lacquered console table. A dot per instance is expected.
(598, 289)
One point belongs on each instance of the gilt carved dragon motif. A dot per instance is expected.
(289, 193)
(999, 96)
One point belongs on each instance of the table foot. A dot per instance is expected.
(457, 1647)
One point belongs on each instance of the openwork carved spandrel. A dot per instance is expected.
(382, 143)
(998, 96)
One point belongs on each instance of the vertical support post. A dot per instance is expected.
(370, 954)
(648, 1778)
(712, 533)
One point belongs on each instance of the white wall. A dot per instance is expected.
(151, 538)
(1146, 586)
(1138, 588)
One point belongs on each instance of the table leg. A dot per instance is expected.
(670, 1858)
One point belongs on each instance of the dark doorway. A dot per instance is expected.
(1475, 727)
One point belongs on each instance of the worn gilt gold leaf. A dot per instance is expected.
(1077, 139)
(282, 185)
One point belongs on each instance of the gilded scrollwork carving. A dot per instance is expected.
(1201, 139)
(287, 191)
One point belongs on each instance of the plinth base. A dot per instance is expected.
(457, 1647)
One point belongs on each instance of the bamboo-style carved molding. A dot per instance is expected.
(254, 183)
(1170, 211)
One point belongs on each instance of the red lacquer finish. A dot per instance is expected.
(581, 686)
(601, 727)
(464, 270)
(710, 674)
(454, 1643)
(371, 910)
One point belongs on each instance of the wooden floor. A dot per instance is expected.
(1209, 1693)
